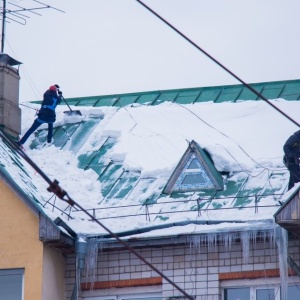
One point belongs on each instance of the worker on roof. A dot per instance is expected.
(291, 150)
(52, 97)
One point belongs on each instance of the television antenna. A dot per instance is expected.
(16, 13)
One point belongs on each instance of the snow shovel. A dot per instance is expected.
(71, 112)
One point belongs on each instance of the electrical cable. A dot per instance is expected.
(223, 67)
(218, 63)
(27, 76)
(244, 151)
(63, 195)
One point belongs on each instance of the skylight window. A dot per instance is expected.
(194, 172)
(193, 176)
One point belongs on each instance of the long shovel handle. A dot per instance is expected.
(66, 103)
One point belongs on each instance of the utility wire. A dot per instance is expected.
(218, 63)
(26, 74)
(63, 195)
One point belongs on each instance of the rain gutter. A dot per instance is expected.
(164, 226)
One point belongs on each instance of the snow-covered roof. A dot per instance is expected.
(116, 160)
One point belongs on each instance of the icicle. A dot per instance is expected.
(91, 261)
(281, 241)
(273, 241)
(212, 239)
(245, 237)
(228, 239)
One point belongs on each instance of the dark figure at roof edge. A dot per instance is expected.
(52, 97)
(291, 150)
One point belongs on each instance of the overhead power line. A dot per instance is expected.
(218, 63)
(63, 195)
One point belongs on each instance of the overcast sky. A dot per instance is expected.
(100, 47)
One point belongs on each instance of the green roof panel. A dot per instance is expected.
(148, 98)
(274, 190)
(233, 185)
(209, 94)
(95, 160)
(166, 96)
(89, 101)
(62, 134)
(291, 91)
(126, 100)
(272, 91)
(78, 137)
(106, 101)
(124, 185)
(229, 94)
(187, 97)
(110, 176)
(251, 189)
(247, 94)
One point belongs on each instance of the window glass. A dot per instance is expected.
(193, 179)
(193, 164)
(237, 294)
(128, 297)
(265, 294)
(99, 298)
(293, 292)
(11, 284)
(144, 298)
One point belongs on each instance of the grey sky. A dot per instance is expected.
(116, 46)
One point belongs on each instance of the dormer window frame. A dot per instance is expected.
(210, 178)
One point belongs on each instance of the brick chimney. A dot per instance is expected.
(10, 113)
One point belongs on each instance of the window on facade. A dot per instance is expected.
(142, 298)
(294, 292)
(260, 293)
(156, 296)
(265, 294)
(11, 284)
(237, 293)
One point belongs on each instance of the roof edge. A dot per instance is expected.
(73, 99)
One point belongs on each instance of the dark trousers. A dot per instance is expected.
(294, 174)
(36, 124)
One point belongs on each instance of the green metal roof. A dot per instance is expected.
(119, 183)
(288, 90)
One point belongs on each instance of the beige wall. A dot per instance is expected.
(53, 275)
(19, 241)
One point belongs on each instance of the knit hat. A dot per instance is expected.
(53, 88)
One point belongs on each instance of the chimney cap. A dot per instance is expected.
(5, 58)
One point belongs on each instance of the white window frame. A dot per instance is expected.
(255, 284)
(101, 298)
(253, 290)
(125, 296)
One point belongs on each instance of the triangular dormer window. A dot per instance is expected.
(194, 172)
